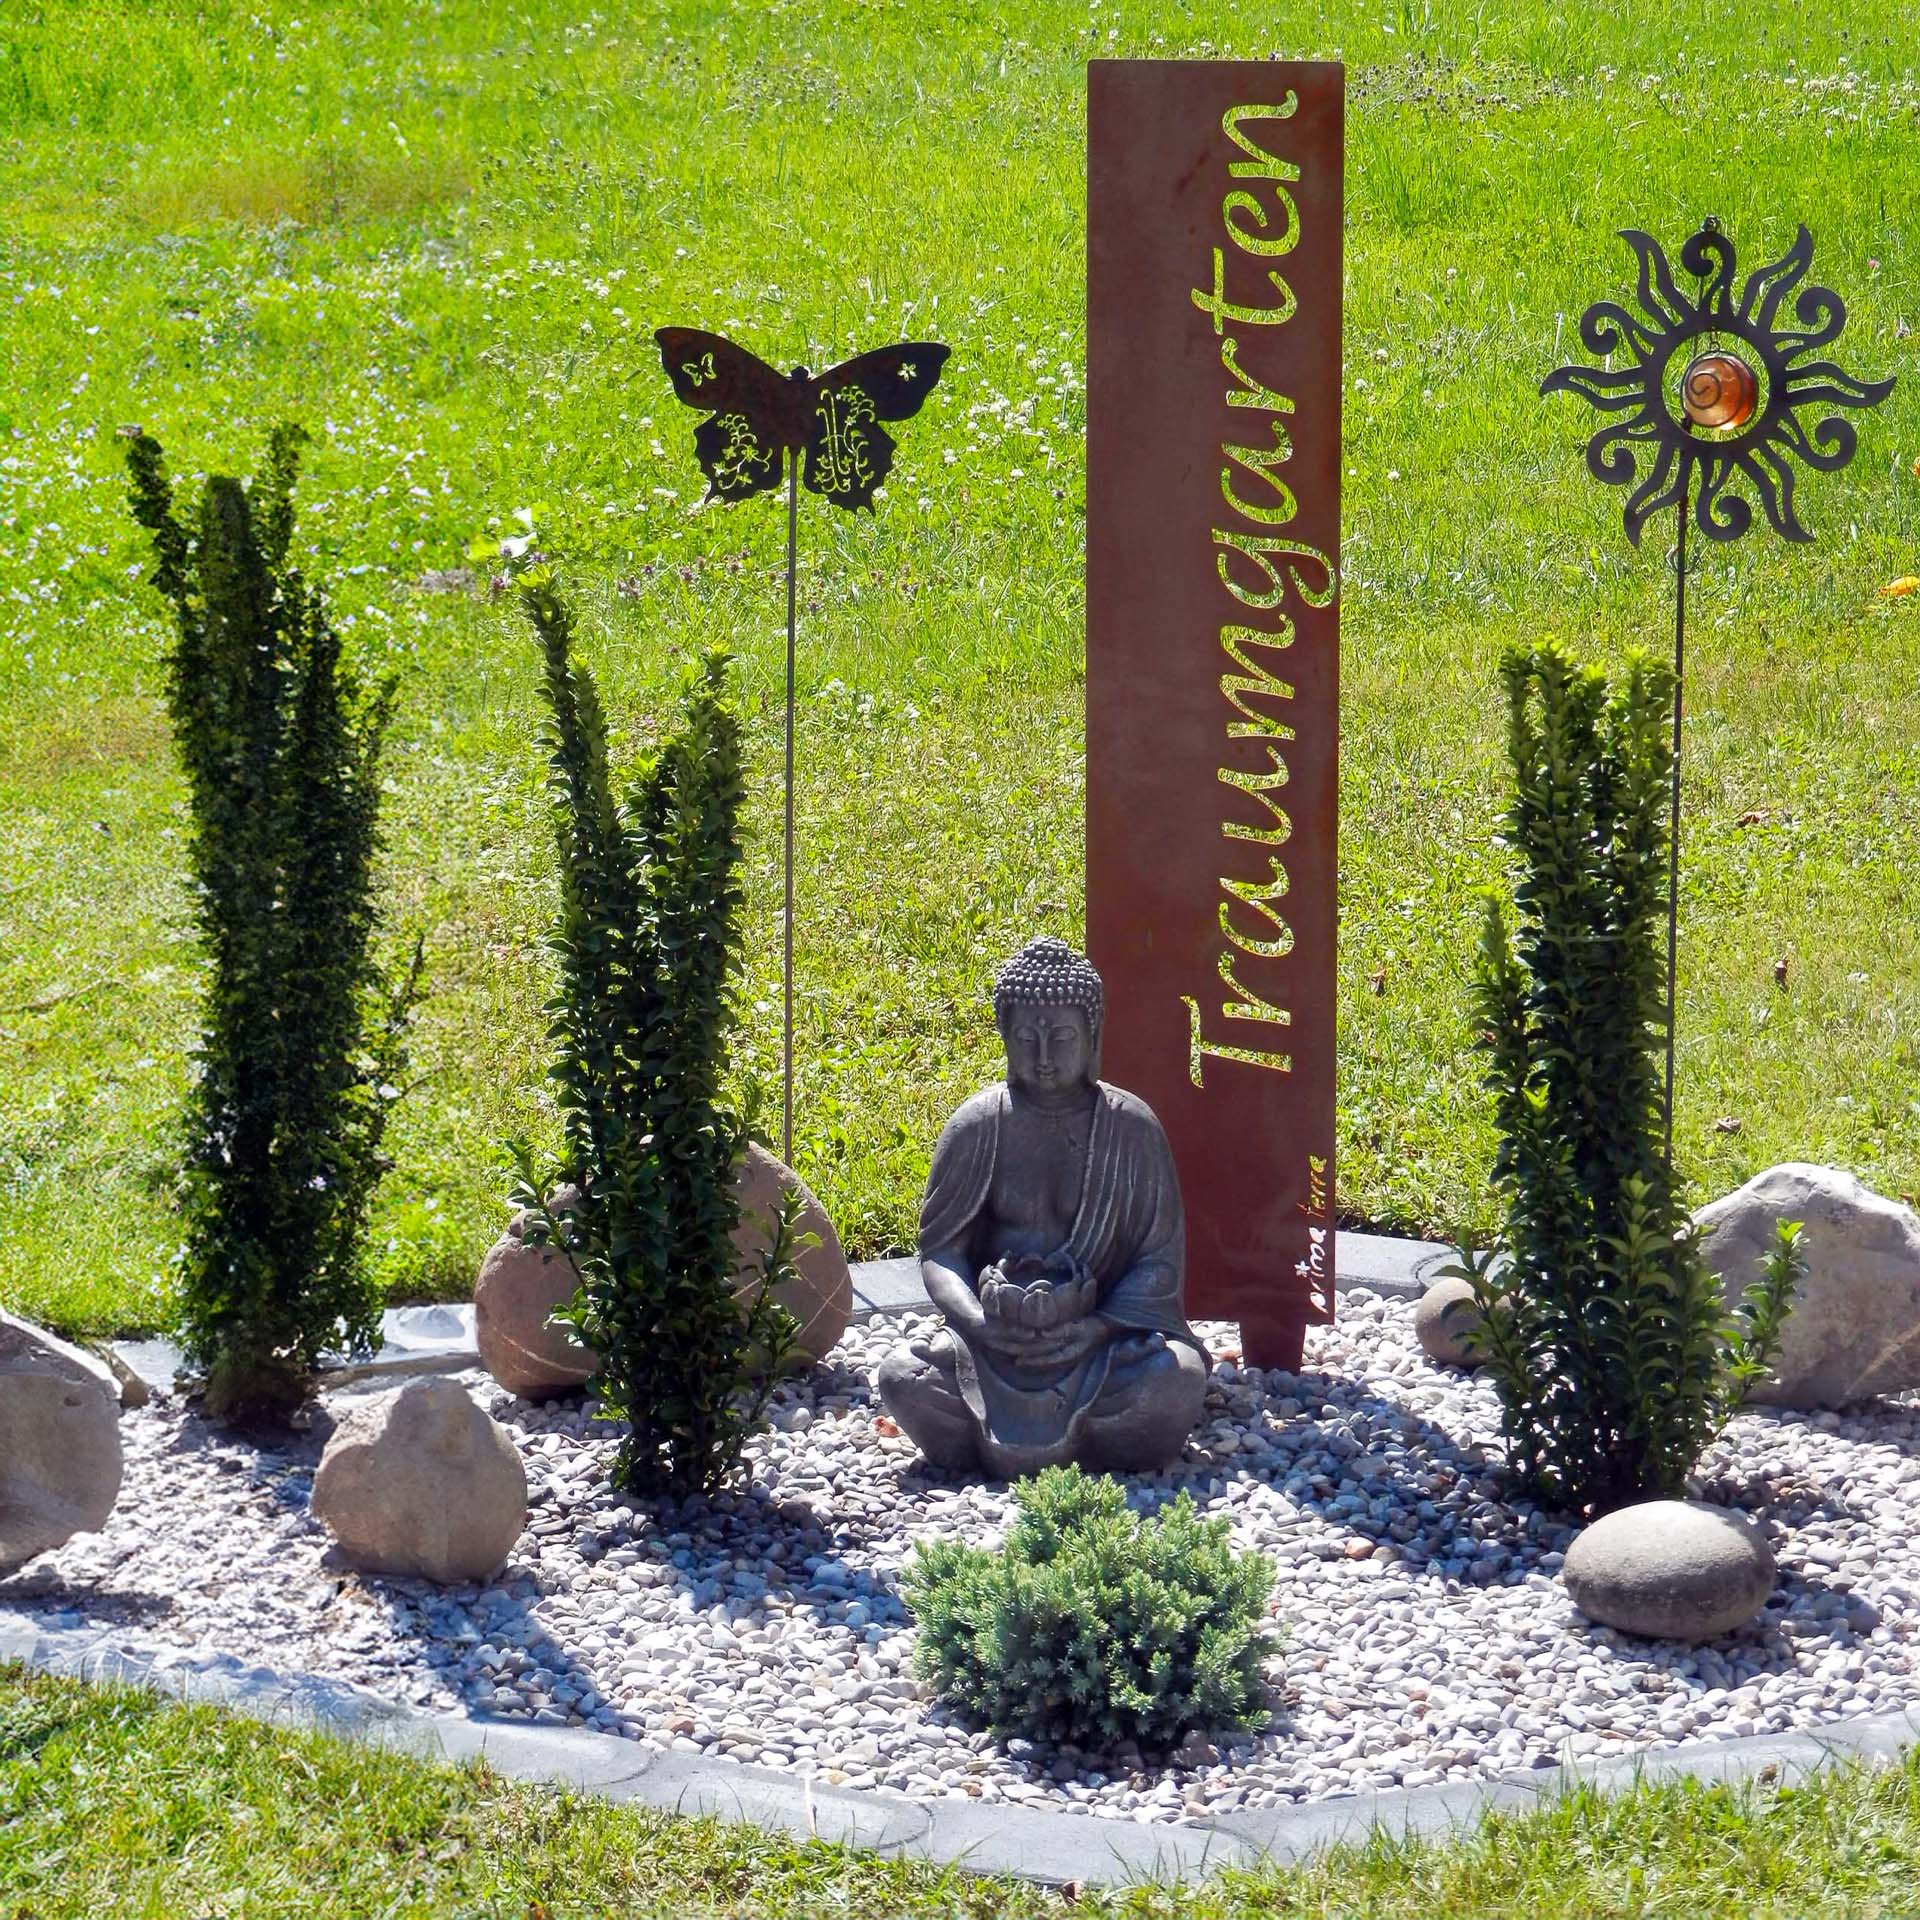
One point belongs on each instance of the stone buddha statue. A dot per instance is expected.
(1053, 1242)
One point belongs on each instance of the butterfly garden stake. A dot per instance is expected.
(1709, 394)
(825, 431)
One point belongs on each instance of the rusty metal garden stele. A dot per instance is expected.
(1213, 541)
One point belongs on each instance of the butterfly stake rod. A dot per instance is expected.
(824, 432)
(1708, 396)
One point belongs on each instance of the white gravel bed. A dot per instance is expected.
(1428, 1637)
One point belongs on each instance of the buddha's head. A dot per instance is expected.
(1048, 1003)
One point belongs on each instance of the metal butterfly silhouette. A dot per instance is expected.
(819, 431)
(759, 418)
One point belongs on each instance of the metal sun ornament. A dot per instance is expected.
(1711, 398)
(1714, 389)
(824, 431)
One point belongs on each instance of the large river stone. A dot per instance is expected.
(820, 1295)
(59, 1441)
(1443, 1319)
(521, 1283)
(1670, 1570)
(1855, 1326)
(422, 1483)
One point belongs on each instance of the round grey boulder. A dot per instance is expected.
(60, 1458)
(520, 1285)
(1854, 1330)
(1443, 1317)
(1670, 1570)
(422, 1483)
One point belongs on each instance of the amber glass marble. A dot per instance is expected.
(1719, 390)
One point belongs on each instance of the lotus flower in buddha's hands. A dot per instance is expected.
(1037, 1294)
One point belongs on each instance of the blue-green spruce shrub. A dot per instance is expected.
(1092, 1627)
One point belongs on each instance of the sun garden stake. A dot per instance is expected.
(1712, 393)
(825, 430)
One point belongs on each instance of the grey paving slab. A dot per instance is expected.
(1401, 1268)
(882, 1287)
(413, 1340)
(1032, 1842)
(593, 1763)
(444, 1327)
(157, 1362)
(1036, 1843)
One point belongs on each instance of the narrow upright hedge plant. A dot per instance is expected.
(302, 1034)
(1602, 1328)
(649, 945)
(1094, 1627)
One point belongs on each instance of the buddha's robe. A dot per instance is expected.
(1128, 1231)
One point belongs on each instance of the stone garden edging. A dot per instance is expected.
(1028, 1842)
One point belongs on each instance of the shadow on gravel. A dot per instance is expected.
(811, 1549)
(1391, 1480)
(42, 1593)
(280, 1463)
(1769, 1497)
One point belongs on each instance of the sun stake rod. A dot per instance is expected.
(1673, 831)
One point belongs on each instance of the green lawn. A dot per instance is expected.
(111, 1802)
(441, 233)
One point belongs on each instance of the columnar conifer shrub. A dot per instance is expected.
(1602, 1329)
(302, 1035)
(1093, 1627)
(648, 942)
